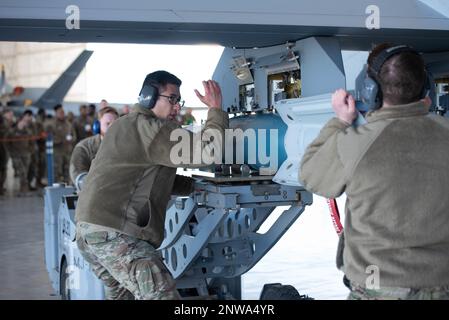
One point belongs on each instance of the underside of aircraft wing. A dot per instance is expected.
(423, 24)
(56, 93)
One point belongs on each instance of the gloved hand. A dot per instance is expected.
(79, 181)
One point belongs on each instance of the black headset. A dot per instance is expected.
(148, 95)
(367, 88)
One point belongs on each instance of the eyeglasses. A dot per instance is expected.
(174, 100)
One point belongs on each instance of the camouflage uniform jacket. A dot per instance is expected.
(83, 154)
(63, 134)
(40, 130)
(21, 141)
(131, 180)
(3, 131)
(395, 173)
(83, 127)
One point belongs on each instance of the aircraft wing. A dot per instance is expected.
(58, 90)
(423, 24)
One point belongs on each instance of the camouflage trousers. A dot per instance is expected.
(3, 166)
(129, 267)
(31, 174)
(391, 293)
(61, 165)
(21, 164)
(41, 165)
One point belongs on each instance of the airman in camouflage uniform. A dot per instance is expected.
(80, 162)
(19, 148)
(121, 209)
(83, 124)
(3, 156)
(6, 121)
(134, 262)
(41, 152)
(32, 168)
(63, 140)
(396, 237)
(84, 152)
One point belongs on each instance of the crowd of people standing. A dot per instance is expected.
(23, 137)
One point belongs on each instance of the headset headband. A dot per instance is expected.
(367, 88)
(386, 54)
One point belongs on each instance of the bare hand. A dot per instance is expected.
(212, 96)
(344, 106)
(20, 125)
(427, 101)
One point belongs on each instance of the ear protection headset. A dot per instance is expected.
(148, 95)
(368, 89)
(96, 127)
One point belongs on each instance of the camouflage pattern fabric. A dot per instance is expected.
(83, 127)
(127, 266)
(61, 160)
(41, 165)
(64, 138)
(3, 166)
(390, 293)
(112, 288)
(32, 168)
(4, 154)
(21, 164)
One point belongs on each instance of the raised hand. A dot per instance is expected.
(212, 94)
(344, 106)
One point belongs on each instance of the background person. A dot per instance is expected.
(84, 152)
(64, 137)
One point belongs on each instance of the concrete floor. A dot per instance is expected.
(22, 261)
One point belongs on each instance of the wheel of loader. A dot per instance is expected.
(63, 279)
(277, 291)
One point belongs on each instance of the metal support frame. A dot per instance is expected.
(211, 238)
(213, 235)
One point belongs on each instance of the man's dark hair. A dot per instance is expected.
(41, 112)
(161, 79)
(401, 78)
(58, 106)
(27, 112)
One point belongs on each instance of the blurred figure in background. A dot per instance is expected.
(85, 151)
(187, 117)
(63, 139)
(70, 117)
(32, 168)
(125, 110)
(103, 104)
(92, 111)
(83, 124)
(19, 147)
(6, 122)
(41, 170)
